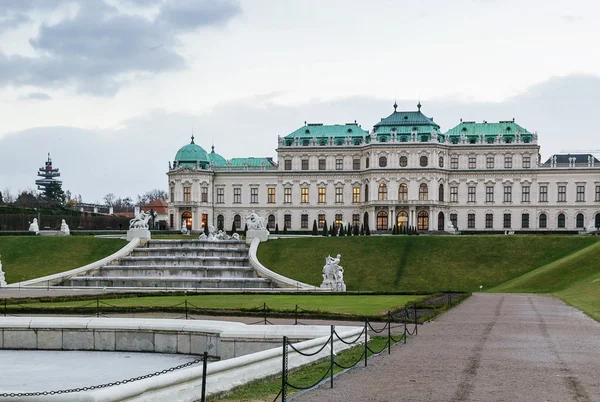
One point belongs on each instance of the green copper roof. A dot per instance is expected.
(215, 158)
(250, 162)
(336, 130)
(406, 119)
(191, 153)
(485, 128)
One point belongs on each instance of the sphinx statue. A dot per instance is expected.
(34, 227)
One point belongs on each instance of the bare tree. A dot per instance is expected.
(109, 199)
(8, 197)
(152, 195)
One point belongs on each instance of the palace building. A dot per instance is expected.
(406, 170)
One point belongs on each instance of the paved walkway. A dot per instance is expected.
(494, 347)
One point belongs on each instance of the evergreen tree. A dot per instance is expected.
(349, 230)
(277, 228)
(332, 230)
(1, 199)
(394, 230)
(245, 229)
(355, 231)
(362, 229)
(325, 229)
(53, 193)
(315, 230)
(342, 230)
(284, 228)
(206, 229)
(367, 230)
(233, 228)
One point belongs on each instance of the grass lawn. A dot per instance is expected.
(343, 304)
(29, 257)
(419, 263)
(575, 279)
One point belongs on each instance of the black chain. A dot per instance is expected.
(94, 387)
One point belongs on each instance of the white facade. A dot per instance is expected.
(478, 184)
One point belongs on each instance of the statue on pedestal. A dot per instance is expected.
(2, 280)
(333, 274)
(591, 227)
(64, 228)
(34, 227)
(217, 235)
(183, 227)
(255, 222)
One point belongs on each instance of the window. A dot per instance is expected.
(287, 164)
(423, 161)
(172, 196)
(220, 222)
(304, 164)
(507, 194)
(489, 194)
(423, 220)
(423, 192)
(355, 219)
(366, 192)
(220, 195)
(471, 221)
(507, 223)
(382, 193)
(271, 222)
(526, 162)
(339, 164)
(403, 161)
(580, 193)
(471, 194)
(525, 194)
(382, 220)
(204, 194)
(508, 162)
(441, 192)
(304, 221)
(454, 162)
(453, 194)
(287, 195)
(237, 221)
(489, 162)
(441, 162)
(543, 193)
(254, 195)
(525, 221)
(579, 221)
(322, 164)
(489, 221)
(472, 162)
(562, 193)
(271, 195)
(403, 192)
(597, 193)
(287, 221)
(367, 163)
(561, 220)
(322, 197)
(321, 220)
(304, 195)
(543, 221)
(237, 195)
(454, 220)
(339, 194)
(356, 164)
(187, 193)
(356, 194)
(339, 219)
(382, 161)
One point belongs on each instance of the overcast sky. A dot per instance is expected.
(113, 88)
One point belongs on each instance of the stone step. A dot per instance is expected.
(196, 243)
(170, 261)
(181, 271)
(189, 251)
(169, 282)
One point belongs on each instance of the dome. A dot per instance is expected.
(190, 154)
(215, 158)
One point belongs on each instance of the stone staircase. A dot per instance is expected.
(179, 264)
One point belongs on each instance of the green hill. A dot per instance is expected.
(419, 263)
(29, 257)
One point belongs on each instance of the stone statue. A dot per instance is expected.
(34, 227)
(140, 221)
(255, 222)
(2, 280)
(217, 235)
(591, 227)
(333, 274)
(183, 227)
(449, 224)
(64, 228)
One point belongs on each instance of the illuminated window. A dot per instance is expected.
(423, 220)
(339, 219)
(339, 194)
(287, 195)
(322, 196)
(304, 195)
(423, 192)
(356, 194)
(382, 220)
(187, 193)
(382, 193)
(271, 195)
(321, 220)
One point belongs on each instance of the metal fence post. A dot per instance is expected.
(265, 312)
(186, 309)
(296, 316)
(204, 366)
(389, 332)
(366, 344)
(404, 329)
(284, 370)
(331, 356)
(5, 307)
(449, 300)
(97, 307)
(416, 319)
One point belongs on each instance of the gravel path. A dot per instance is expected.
(493, 347)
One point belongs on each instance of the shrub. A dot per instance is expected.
(314, 229)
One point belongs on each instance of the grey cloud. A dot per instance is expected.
(38, 96)
(95, 48)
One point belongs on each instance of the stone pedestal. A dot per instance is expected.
(141, 233)
(262, 234)
(334, 286)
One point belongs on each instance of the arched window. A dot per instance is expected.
(271, 222)
(543, 221)
(237, 220)
(366, 219)
(441, 221)
(561, 220)
(367, 162)
(402, 219)
(441, 192)
(382, 161)
(382, 193)
(441, 162)
(403, 192)
(597, 223)
(423, 221)
(366, 193)
(423, 161)
(579, 221)
(403, 161)
(220, 222)
(423, 192)
(382, 220)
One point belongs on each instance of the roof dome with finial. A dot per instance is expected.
(191, 154)
(215, 158)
